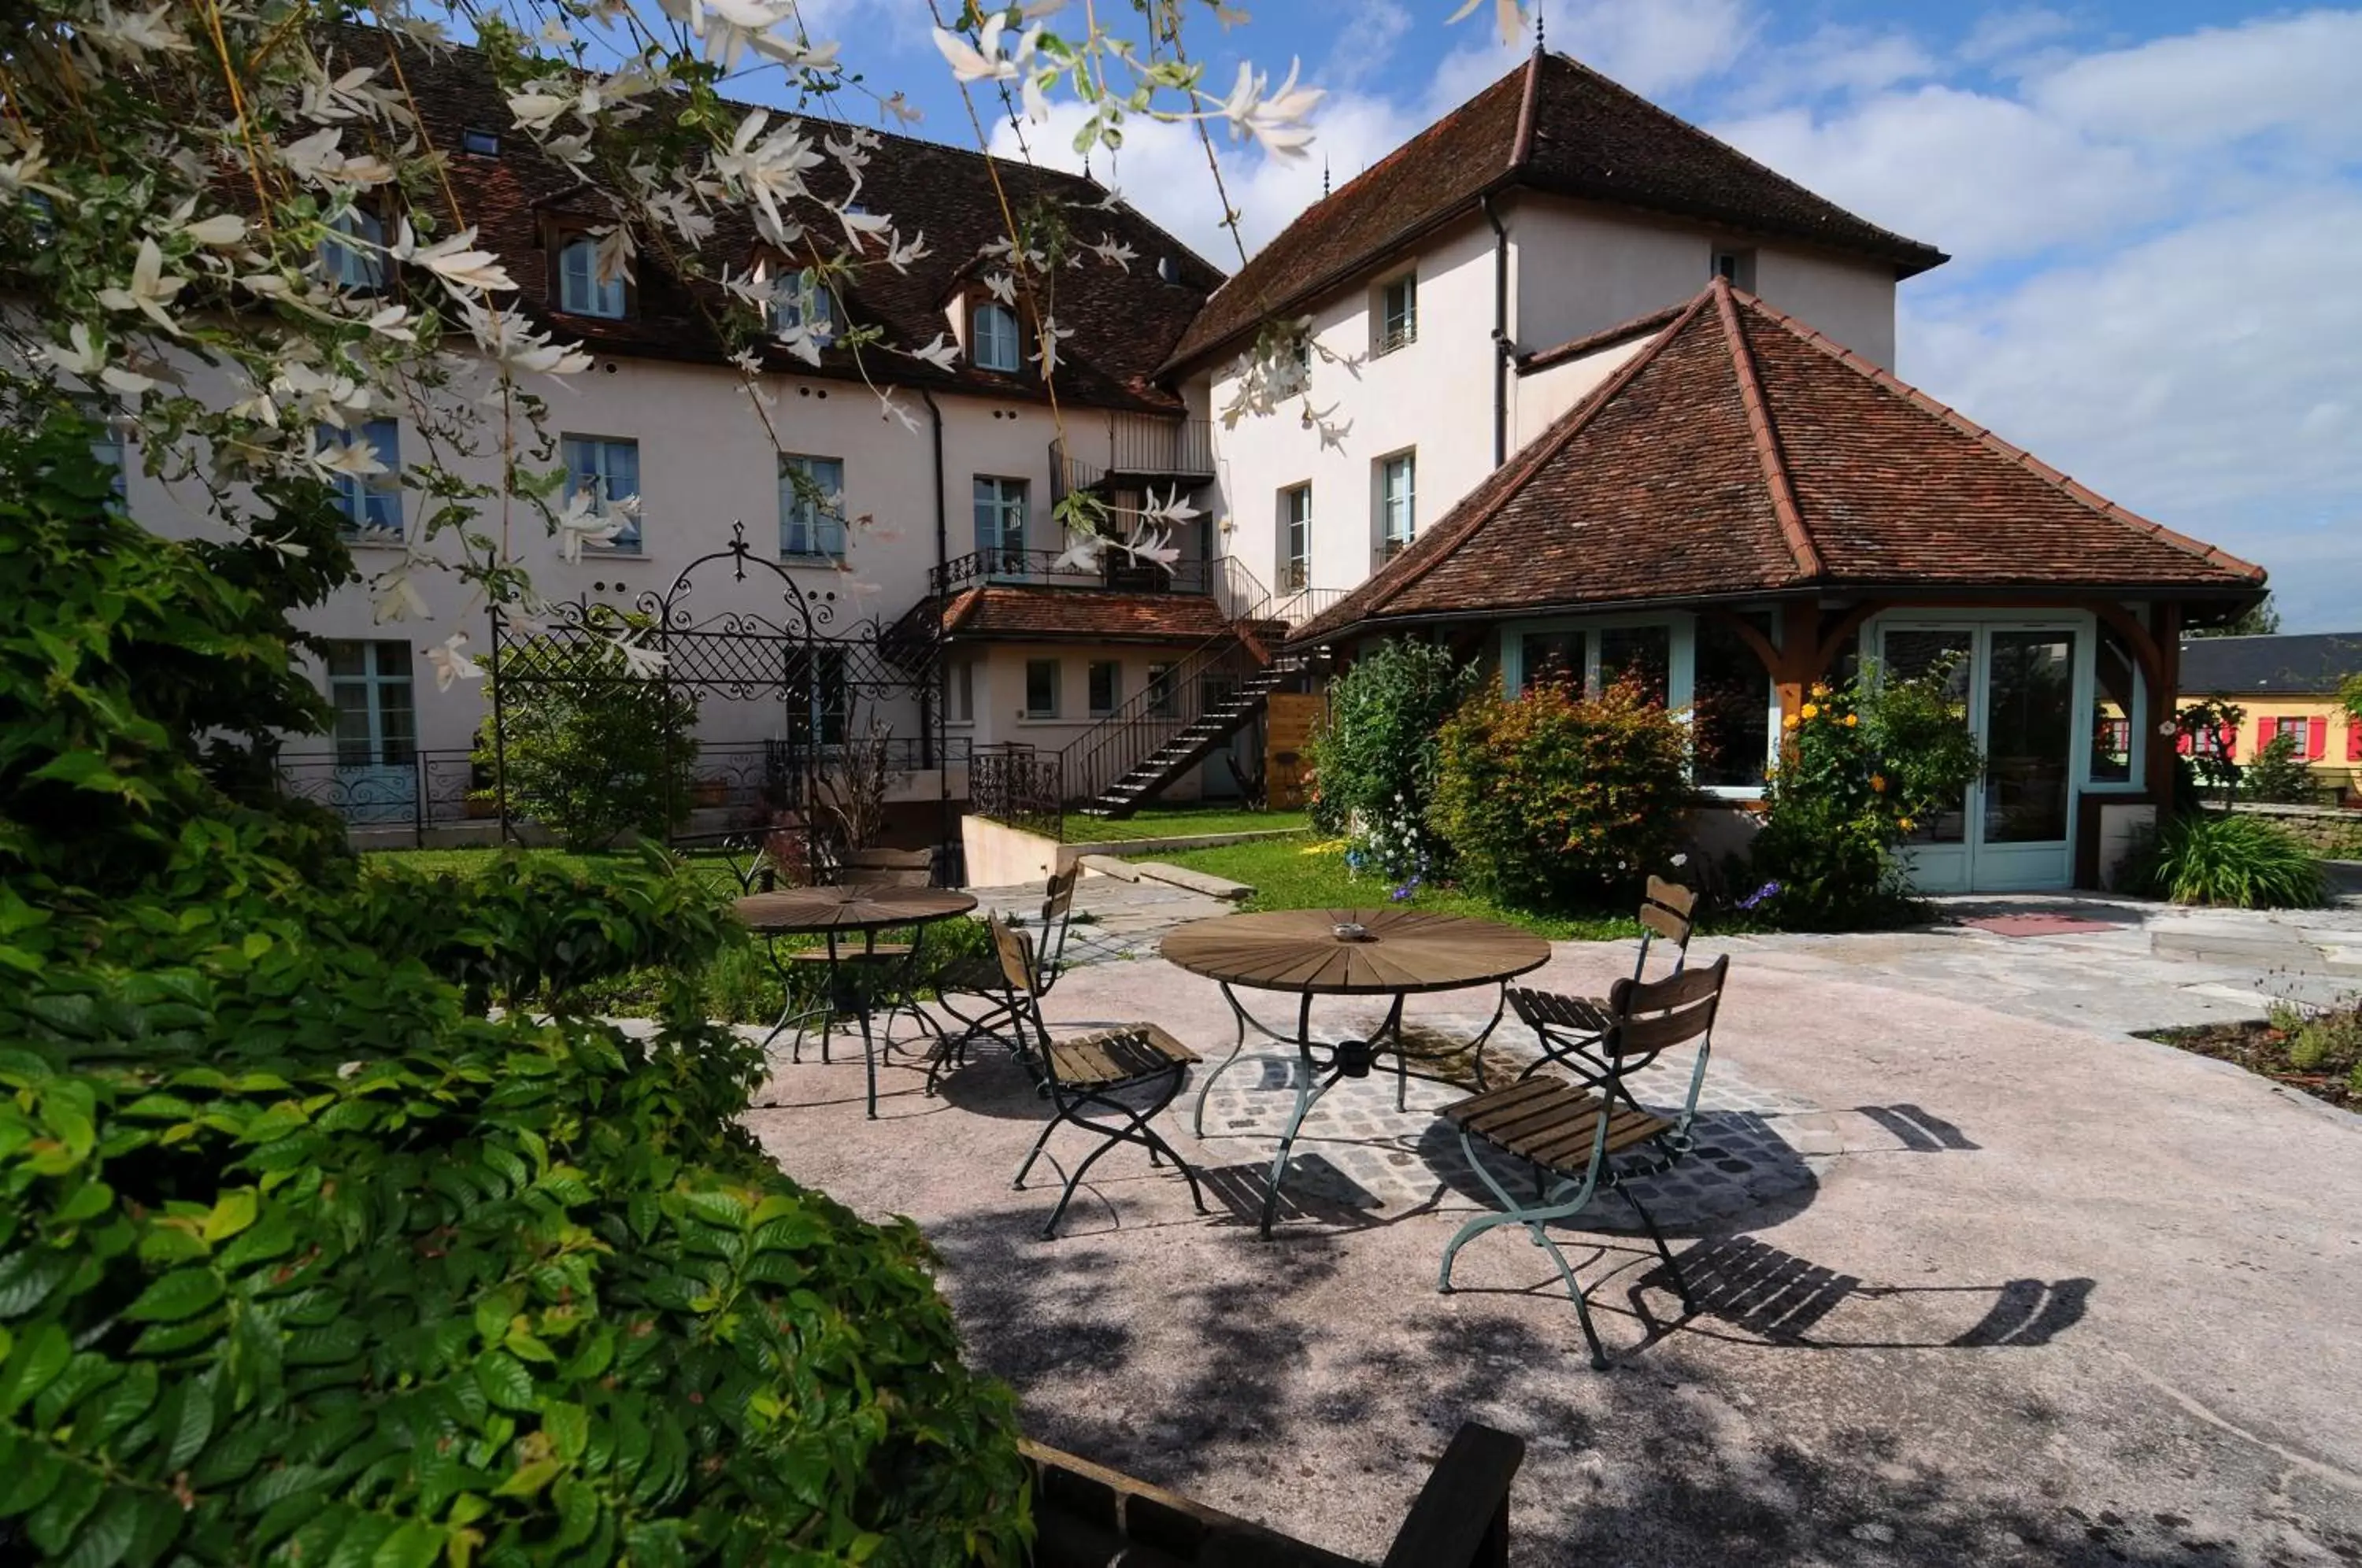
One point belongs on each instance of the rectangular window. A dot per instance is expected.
(992, 337)
(2113, 691)
(1107, 686)
(799, 299)
(1397, 315)
(372, 502)
(1549, 656)
(811, 507)
(1162, 696)
(369, 685)
(1731, 701)
(581, 290)
(1642, 654)
(959, 693)
(819, 699)
(1737, 268)
(1398, 502)
(1040, 688)
(1000, 522)
(608, 470)
(357, 267)
(1295, 524)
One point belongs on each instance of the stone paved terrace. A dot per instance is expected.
(1981, 1277)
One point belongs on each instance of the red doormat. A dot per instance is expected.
(2037, 924)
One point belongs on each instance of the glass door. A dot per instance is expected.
(2015, 687)
(377, 731)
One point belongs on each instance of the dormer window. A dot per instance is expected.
(1397, 315)
(796, 299)
(481, 143)
(581, 290)
(993, 342)
(360, 268)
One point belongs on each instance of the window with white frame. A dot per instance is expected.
(993, 340)
(1106, 687)
(1398, 502)
(581, 290)
(607, 469)
(811, 507)
(959, 692)
(1040, 688)
(372, 502)
(1731, 703)
(368, 683)
(1000, 521)
(360, 267)
(819, 698)
(1296, 537)
(1163, 694)
(1397, 315)
(796, 298)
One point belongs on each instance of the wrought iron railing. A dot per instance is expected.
(1132, 446)
(1047, 568)
(1020, 785)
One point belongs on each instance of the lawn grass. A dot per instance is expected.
(1304, 872)
(1181, 822)
(706, 866)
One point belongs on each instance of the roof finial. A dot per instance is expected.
(1538, 26)
(1324, 176)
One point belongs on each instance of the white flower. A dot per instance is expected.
(1002, 287)
(355, 458)
(1052, 335)
(152, 289)
(538, 111)
(941, 352)
(1274, 119)
(451, 259)
(900, 253)
(583, 524)
(80, 357)
(1083, 555)
(640, 662)
(220, 231)
(450, 664)
(137, 33)
(316, 159)
(982, 60)
(1114, 251)
(1508, 16)
(900, 107)
(892, 408)
(398, 598)
(1680, 860)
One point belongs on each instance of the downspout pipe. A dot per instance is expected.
(932, 696)
(1500, 333)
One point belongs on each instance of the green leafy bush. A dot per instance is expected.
(1374, 761)
(2278, 774)
(1551, 798)
(303, 1253)
(592, 753)
(2230, 858)
(1863, 766)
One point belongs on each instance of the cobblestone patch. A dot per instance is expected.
(1754, 1145)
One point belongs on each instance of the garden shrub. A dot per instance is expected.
(2278, 774)
(1374, 760)
(1861, 765)
(1551, 798)
(590, 752)
(2230, 858)
(304, 1255)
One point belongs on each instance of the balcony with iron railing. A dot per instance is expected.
(1114, 570)
(1135, 450)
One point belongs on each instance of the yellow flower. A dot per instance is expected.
(1878, 783)
(1820, 688)
(1788, 722)
(1812, 710)
(1905, 823)
(1851, 720)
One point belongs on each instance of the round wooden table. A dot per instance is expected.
(837, 913)
(1394, 952)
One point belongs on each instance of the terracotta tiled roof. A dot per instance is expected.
(1592, 342)
(1124, 322)
(1015, 612)
(1552, 124)
(1744, 452)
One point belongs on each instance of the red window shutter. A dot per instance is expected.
(2354, 739)
(2316, 739)
(2181, 743)
(2226, 740)
(2265, 730)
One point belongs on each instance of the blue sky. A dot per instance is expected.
(2154, 208)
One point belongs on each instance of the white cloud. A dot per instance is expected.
(1834, 59)
(1653, 46)
(2003, 35)
(2300, 75)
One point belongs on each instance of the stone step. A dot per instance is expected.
(1220, 888)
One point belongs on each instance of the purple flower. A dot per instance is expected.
(1768, 890)
(1406, 891)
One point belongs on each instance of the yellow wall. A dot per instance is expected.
(2332, 766)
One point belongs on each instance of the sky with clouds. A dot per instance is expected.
(2151, 207)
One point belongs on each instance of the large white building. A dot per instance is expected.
(1462, 294)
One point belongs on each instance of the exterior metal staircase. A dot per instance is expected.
(1197, 706)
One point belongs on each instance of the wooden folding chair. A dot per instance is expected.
(975, 989)
(1582, 1142)
(1568, 1028)
(1082, 1077)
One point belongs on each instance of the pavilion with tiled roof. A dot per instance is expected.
(1743, 469)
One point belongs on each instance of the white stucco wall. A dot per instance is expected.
(1433, 396)
(706, 462)
(1578, 268)
(1536, 399)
